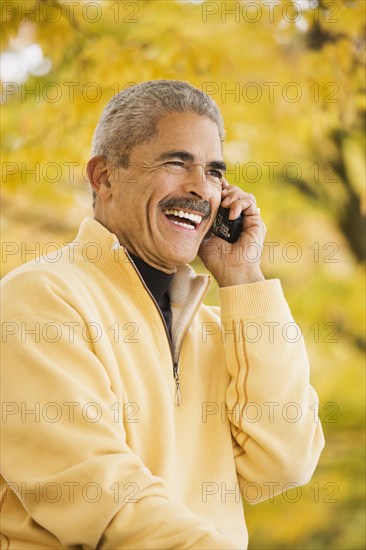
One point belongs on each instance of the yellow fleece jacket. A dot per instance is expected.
(104, 446)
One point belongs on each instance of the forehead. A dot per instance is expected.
(188, 132)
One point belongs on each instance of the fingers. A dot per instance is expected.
(238, 201)
(254, 221)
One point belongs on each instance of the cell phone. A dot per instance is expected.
(226, 229)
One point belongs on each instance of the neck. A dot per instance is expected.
(158, 283)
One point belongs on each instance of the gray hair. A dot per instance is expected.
(131, 116)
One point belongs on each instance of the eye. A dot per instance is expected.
(218, 174)
(175, 164)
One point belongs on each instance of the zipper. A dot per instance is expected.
(175, 363)
(177, 383)
(179, 346)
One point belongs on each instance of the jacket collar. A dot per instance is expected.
(97, 244)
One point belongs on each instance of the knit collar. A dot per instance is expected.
(96, 244)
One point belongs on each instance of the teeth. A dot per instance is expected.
(189, 226)
(181, 214)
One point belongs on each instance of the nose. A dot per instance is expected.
(197, 184)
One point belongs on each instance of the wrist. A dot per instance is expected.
(241, 278)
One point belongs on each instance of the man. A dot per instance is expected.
(135, 416)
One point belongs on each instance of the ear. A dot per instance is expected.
(99, 175)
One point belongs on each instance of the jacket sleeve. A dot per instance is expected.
(67, 459)
(277, 435)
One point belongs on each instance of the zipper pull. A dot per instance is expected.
(176, 378)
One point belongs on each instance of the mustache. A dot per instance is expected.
(182, 203)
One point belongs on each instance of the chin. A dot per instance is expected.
(180, 257)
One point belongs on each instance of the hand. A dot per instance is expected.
(237, 263)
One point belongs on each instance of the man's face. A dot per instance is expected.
(164, 184)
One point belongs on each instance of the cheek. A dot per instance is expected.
(156, 182)
(164, 187)
(216, 198)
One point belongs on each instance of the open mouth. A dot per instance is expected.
(184, 219)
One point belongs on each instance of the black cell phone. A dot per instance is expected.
(226, 229)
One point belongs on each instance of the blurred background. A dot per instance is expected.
(289, 78)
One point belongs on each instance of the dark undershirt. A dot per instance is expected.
(158, 283)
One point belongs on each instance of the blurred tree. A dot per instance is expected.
(345, 137)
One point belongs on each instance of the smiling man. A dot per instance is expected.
(136, 417)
